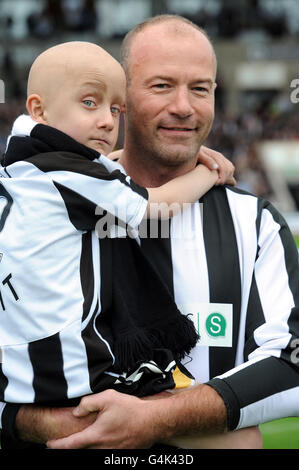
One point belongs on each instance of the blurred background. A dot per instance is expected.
(257, 98)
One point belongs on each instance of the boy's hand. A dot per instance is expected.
(216, 161)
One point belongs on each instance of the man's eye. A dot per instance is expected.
(89, 103)
(201, 89)
(161, 86)
(115, 110)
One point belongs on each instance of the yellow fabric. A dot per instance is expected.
(180, 379)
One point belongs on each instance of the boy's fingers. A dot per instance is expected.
(207, 160)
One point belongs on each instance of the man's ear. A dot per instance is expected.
(36, 109)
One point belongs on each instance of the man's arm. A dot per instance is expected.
(266, 386)
(121, 418)
(37, 424)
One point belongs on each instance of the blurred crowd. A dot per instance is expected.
(56, 17)
(238, 136)
(221, 18)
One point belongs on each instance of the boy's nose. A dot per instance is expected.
(105, 119)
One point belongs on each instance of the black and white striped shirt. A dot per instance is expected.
(234, 249)
(51, 268)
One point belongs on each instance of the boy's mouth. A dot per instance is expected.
(101, 141)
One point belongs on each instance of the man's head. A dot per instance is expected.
(170, 66)
(78, 88)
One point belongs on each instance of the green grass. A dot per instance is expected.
(297, 240)
(281, 434)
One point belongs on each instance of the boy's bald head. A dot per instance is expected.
(56, 66)
(79, 89)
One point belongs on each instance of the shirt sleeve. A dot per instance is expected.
(91, 189)
(8, 435)
(266, 386)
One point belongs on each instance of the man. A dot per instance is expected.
(237, 264)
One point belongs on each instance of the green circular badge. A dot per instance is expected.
(216, 324)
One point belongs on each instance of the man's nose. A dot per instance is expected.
(180, 104)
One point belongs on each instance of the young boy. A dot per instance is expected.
(81, 314)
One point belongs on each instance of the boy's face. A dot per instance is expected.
(88, 105)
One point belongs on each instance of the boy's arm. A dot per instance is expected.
(210, 158)
(168, 199)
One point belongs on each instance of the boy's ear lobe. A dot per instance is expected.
(35, 107)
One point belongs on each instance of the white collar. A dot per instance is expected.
(22, 126)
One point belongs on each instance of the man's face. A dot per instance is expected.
(170, 96)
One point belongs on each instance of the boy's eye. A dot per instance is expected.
(115, 110)
(88, 103)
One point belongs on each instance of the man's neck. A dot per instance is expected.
(151, 175)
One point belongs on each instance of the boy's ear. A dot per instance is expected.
(36, 109)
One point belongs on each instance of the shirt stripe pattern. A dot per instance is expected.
(236, 248)
(64, 346)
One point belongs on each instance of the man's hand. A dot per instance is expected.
(117, 426)
(216, 161)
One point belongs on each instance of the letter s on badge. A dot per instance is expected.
(216, 324)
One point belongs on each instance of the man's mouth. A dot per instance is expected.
(176, 129)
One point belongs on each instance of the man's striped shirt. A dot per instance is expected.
(235, 249)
